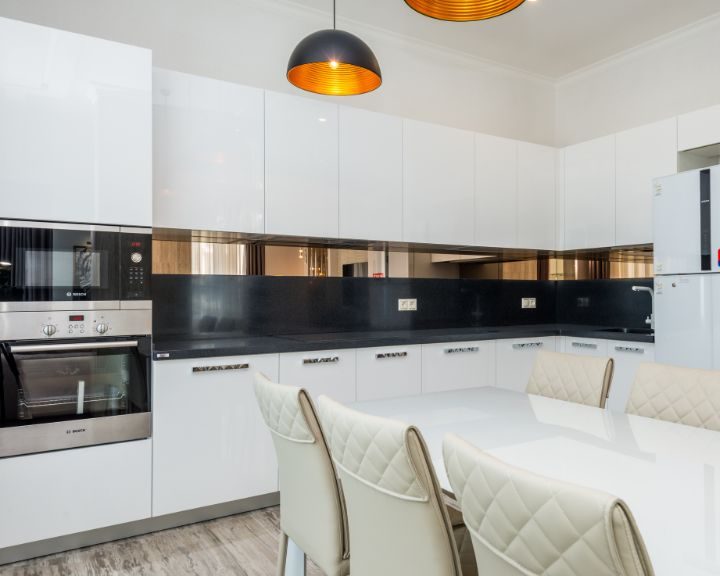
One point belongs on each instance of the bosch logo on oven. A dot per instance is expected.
(76, 294)
(75, 430)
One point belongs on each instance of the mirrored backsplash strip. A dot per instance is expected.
(233, 306)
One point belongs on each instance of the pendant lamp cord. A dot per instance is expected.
(334, 16)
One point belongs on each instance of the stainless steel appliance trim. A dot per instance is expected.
(135, 304)
(35, 438)
(387, 355)
(522, 346)
(220, 368)
(325, 360)
(20, 348)
(633, 349)
(58, 226)
(135, 230)
(585, 345)
(59, 305)
(462, 350)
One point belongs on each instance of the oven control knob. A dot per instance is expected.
(49, 329)
(136, 257)
(101, 328)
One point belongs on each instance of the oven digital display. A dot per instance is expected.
(76, 318)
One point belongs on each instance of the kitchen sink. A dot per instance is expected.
(643, 331)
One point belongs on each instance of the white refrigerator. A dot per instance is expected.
(687, 268)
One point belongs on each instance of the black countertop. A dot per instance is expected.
(242, 346)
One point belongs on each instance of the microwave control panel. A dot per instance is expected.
(135, 265)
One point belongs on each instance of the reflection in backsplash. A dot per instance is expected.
(240, 257)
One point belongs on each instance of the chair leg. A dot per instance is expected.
(282, 554)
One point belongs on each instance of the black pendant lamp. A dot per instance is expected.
(463, 10)
(334, 63)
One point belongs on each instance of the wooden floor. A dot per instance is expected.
(239, 545)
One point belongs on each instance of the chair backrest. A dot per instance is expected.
(681, 395)
(571, 377)
(312, 511)
(523, 524)
(397, 519)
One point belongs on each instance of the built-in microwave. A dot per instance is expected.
(54, 266)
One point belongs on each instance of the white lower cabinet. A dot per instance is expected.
(584, 346)
(211, 444)
(514, 360)
(328, 372)
(69, 491)
(628, 356)
(388, 372)
(457, 365)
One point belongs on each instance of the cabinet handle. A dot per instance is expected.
(526, 345)
(325, 360)
(220, 368)
(632, 349)
(387, 355)
(463, 350)
(585, 345)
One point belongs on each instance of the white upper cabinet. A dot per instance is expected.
(301, 166)
(370, 175)
(641, 155)
(699, 128)
(438, 197)
(536, 196)
(209, 155)
(496, 192)
(590, 194)
(76, 136)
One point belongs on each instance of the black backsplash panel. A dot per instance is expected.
(235, 306)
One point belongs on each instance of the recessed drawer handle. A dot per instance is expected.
(326, 360)
(585, 345)
(220, 368)
(632, 349)
(463, 350)
(387, 355)
(528, 345)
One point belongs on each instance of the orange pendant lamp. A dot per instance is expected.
(334, 63)
(463, 10)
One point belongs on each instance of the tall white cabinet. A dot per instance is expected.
(438, 170)
(301, 166)
(208, 154)
(76, 136)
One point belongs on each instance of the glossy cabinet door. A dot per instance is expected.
(515, 358)
(211, 444)
(326, 372)
(301, 166)
(388, 372)
(590, 194)
(209, 154)
(642, 154)
(699, 128)
(371, 175)
(496, 191)
(536, 196)
(70, 491)
(457, 365)
(438, 184)
(628, 356)
(584, 346)
(76, 137)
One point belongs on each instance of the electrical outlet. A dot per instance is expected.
(529, 303)
(407, 304)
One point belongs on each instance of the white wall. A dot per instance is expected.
(670, 76)
(249, 42)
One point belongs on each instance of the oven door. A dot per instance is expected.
(71, 393)
(67, 264)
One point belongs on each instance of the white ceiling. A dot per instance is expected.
(551, 38)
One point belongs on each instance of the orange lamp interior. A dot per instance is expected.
(463, 10)
(334, 78)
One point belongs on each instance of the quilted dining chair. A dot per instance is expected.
(312, 511)
(523, 524)
(682, 395)
(571, 377)
(398, 522)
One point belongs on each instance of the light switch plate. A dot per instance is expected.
(529, 303)
(407, 304)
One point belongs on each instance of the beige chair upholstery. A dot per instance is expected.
(523, 524)
(398, 522)
(312, 510)
(574, 378)
(681, 395)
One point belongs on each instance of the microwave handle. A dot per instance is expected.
(72, 347)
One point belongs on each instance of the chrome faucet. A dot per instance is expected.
(650, 319)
